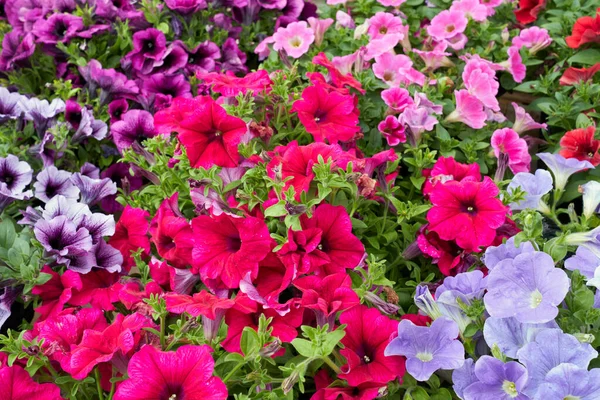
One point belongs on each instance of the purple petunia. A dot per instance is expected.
(10, 105)
(112, 84)
(505, 251)
(233, 58)
(135, 126)
(562, 168)
(569, 381)
(585, 261)
(534, 186)
(7, 298)
(61, 237)
(463, 377)
(42, 113)
(93, 190)
(58, 28)
(51, 182)
(89, 127)
(159, 90)
(528, 288)
(428, 349)
(15, 175)
(186, 7)
(203, 58)
(175, 59)
(149, 49)
(16, 50)
(497, 380)
(551, 348)
(510, 335)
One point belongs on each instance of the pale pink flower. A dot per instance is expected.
(458, 41)
(419, 120)
(494, 116)
(491, 6)
(476, 57)
(436, 58)
(447, 25)
(344, 64)
(319, 26)
(392, 130)
(515, 65)
(391, 3)
(385, 44)
(534, 38)
(469, 110)
(391, 68)
(335, 2)
(344, 20)
(263, 49)
(421, 100)
(397, 99)
(471, 8)
(524, 122)
(507, 141)
(295, 39)
(383, 23)
(480, 81)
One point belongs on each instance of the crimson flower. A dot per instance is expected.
(203, 303)
(528, 10)
(131, 234)
(445, 253)
(337, 241)
(330, 116)
(580, 144)
(327, 296)
(229, 248)
(55, 293)
(230, 85)
(367, 335)
(573, 75)
(338, 79)
(182, 374)
(301, 254)
(467, 211)
(18, 385)
(585, 30)
(447, 168)
(172, 234)
(169, 120)
(364, 391)
(99, 288)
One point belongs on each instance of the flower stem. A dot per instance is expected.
(162, 332)
(98, 384)
(233, 371)
(332, 365)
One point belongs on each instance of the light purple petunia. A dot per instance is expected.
(528, 288)
(135, 126)
(584, 260)
(497, 380)
(89, 127)
(112, 84)
(61, 237)
(551, 348)
(524, 122)
(463, 377)
(45, 151)
(428, 349)
(510, 335)
(90, 170)
(93, 190)
(467, 285)
(535, 187)
(562, 168)
(42, 113)
(10, 105)
(506, 251)
(7, 298)
(568, 381)
(61, 205)
(98, 225)
(52, 182)
(101, 255)
(15, 175)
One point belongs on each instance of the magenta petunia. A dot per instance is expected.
(18, 385)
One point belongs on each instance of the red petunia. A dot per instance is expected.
(229, 85)
(229, 248)
(172, 234)
(99, 288)
(203, 303)
(447, 168)
(467, 211)
(528, 10)
(131, 234)
(338, 79)
(337, 241)
(580, 144)
(182, 374)
(573, 76)
(330, 116)
(367, 335)
(585, 30)
(17, 384)
(364, 391)
(55, 293)
(301, 253)
(169, 120)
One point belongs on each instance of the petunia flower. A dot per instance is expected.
(88, 127)
(428, 349)
(463, 377)
(480, 81)
(395, 70)
(15, 175)
(301, 253)
(534, 39)
(497, 380)
(584, 260)
(397, 99)
(383, 23)
(447, 168)
(445, 254)
(563, 168)
(471, 9)
(52, 182)
(10, 105)
(506, 141)
(7, 298)
(528, 10)
(392, 130)
(172, 234)
(131, 234)
(325, 391)
(365, 347)
(527, 287)
(185, 373)
(580, 144)
(41, 112)
(186, 7)
(569, 381)
(149, 50)
(58, 28)
(469, 110)
(510, 335)
(573, 76)
(436, 57)
(534, 186)
(17, 47)
(523, 121)
(202, 303)
(585, 30)
(112, 84)
(18, 384)
(295, 39)
(100, 289)
(134, 126)
(56, 292)
(447, 25)
(514, 64)
(466, 211)
(158, 90)
(93, 190)
(591, 197)
(230, 85)
(233, 59)
(319, 27)
(417, 120)
(61, 237)
(550, 349)
(326, 115)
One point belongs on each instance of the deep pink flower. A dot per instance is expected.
(534, 39)
(325, 391)
(100, 288)
(326, 115)
(342, 80)
(337, 241)
(469, 110)
(182, 374)
(398, 99)
(133, 294)
(172, 234)
(392, 130)
(580, 144)
(295, 39)
(55, 293)
(229, 248)
(467, 211)
(524, 122)
(327, 295)
(202, 303)
(445, 253)
(131, 234)
(447, 168)
(18, 385)
(367, 335)
(301, 254)
(508, 142)
(229, 85)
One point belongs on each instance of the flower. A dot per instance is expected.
(16, 49)
(472, 9)
(534, 38)
(466, 211)
(228, 248)
(366, 345)
(15, 175)
(480, 81)
(447, 168)
(61, 237)
(392, 130)
(528, 10)
(172, 234)
(131, 234)
(469, 110)
(418, 119)
(534, 186)
(202, 303)
(573, 75)
(585, 30)
(56, 292)
(383, 23)
(295, 39)
(319, 26)
(427, 349)
(10, 105)
(523, 121)
(584, 260)
(149, 49)
(41, 112)
(563, 168)
(7, 298)
(134, 126)
(527, 287)
(52, 182)
(497, 380)
(301, 253)
(203, 58)
(17, 384)
(580, 144)
(365, 391)
(93, 190)
(568, 381)
(591, 197)
(186, 7)
(437, 57)
(185, 373)
(230, 85)
(396, 69)
(445, 254)
(550, 349)
(398, 99)
(112, 84)
(510, 335)
(463, 377)
(58, 28)
(514, 64)
(327, 115)
(508, 142)
(447, 25)
(100, 289)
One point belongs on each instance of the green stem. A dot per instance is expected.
(98, 384)
(332, 365)
(162, 332)
(233, 371)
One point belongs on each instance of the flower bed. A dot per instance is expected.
(278, 199)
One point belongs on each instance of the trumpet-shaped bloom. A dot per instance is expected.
(18, 385)
(131, 234)
(510, 335)
(51, 182)
(585, 261)
(469, 110)
(495, 254)
(508, 142)
(562, 168)
(534, 39)
(528, 287)
(202, 303)
(580, 144)
(524, 122)
(534, 186)
(497, 380)
(480, 81)
(447, 24)
(585, 30)
(591, 197)
(568, 381)
(295, 39)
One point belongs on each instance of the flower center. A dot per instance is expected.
(569, 397)
(60, 29)
(425, 357)
(388, 76)
(383, 30)
(320, 116)
(590, 155)
(173, 397)
(367, 359)
(510, 388)
(450, 28)
(149, 45)
(295, 42)
(535, 298)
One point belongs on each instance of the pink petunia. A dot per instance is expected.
(384, 44)
(55, 293)
(397, 99)
(435, 58)
(534, 39)
(471, 8)
(480, 81)
(295, 39)
(202, 303)
(319, 26)
(18, 385)
(392, 130)
(469, 110)
(131, 234)
(514, 64)
(449, 26)
(524, 122)
(392, 68)
(382, 24)
(508, 142)
(447, 169)
(344, 20)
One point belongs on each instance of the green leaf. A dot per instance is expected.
(250, 341)
(304, 347)
(7, 234)
(276, 210)
(331, 340)
(587, 57)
